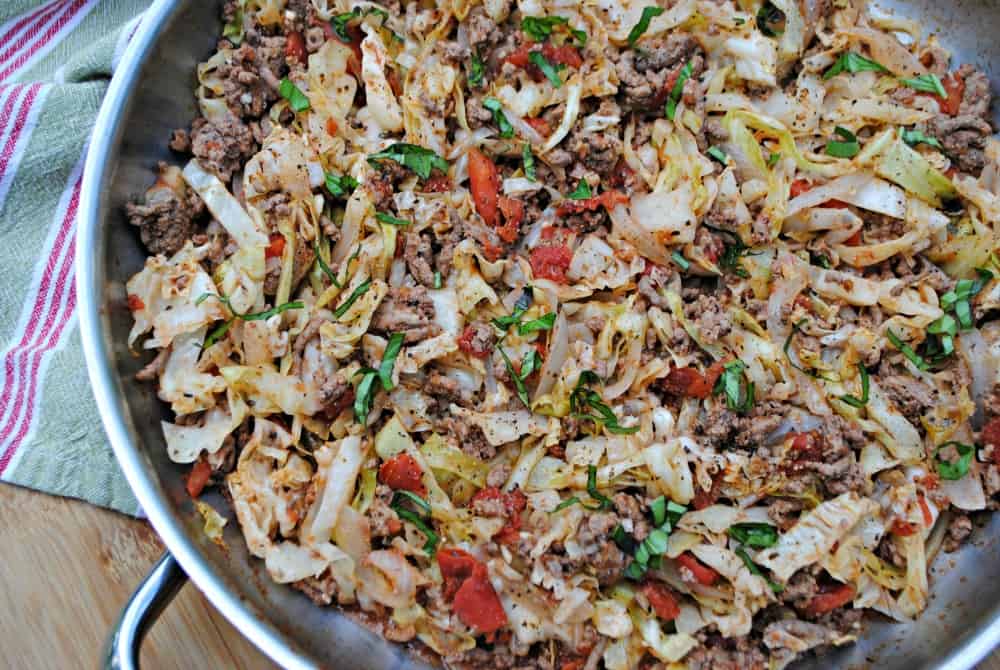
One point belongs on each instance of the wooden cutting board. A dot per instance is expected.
(66, 569)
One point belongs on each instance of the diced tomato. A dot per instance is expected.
(567, 55)
(904, 528)
(702, 573)
(607, 200)
(662, 600)
(484, 182)
(806, 446)
(438, 183)
(688, 382)
(513, 214)
(200, 473)
(925, 510)
(954, 86)
(276, 246)
(799, 186)
(854, 240)
(551, 262)
(990, 434)
(331, 127)
(135, 303)
(467, 343)
(519, 57)
(467, 584)
(703, 498)
(540, 125)
(830, 598)
(513, 503)
(803, 301)
(403, 472)
(573, 664)
(295, 46)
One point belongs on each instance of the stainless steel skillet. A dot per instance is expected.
(149, 97)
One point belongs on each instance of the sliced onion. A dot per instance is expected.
(644, 241)
(522, 128)
(859, 189)
(887, 50)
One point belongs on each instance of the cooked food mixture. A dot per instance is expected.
(583, 335)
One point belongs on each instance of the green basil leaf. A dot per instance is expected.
(422, 161)
(907, 351)
(853, 63)
(391, 220)
(958, 469)
(539, 28)
(718, 154)
(756, 535)
(658, 508)
(363, 396)
(755, 569)
(499, 118)
(915, 137)
(739, 392)
(392, 350)
(297, 100)
(675, 93)
(643, 25)
(402, 494)
(529, 162)
(863, 400)
(430, 547)
(604, 501)
(678, 257)
(330, 274)
(437, 279)
(340, 23)
(353, 298)
(569, 502)
(928, 83)
(263, 316)
(217, 333)
(522, 391)
(547, 68)
(582, 191)
(340, 186)
(476, 70)
(849, 148)
(542, 323)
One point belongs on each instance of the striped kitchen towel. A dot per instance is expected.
(56, 60)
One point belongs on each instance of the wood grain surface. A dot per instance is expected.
(66, 569)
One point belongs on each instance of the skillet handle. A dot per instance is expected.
(121, 649)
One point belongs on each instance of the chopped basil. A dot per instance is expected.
(739, 20)
(756, 535)
(957, 469)
(476, 70)
(499, 118)
(403, 495)
(675, 93)
(915, 137)
(437, 279)
(267, 314)
(849, 148)
(430, 546)
(739, 390)
(529, 161)
(582, 399)
(678, 257)
(773, 159)
(550, 71)
(542, 323)
(217, 333)
(391, 220)
(907, 351)
(604, 501)
(522, 391)
(340, 186)
(928, 83)
(297, 100)
(539, 28)
(392, 350)
(755, 569)
(353, 298)
(331, 275)
(853, 63)
(339, 25)
(520, 307)
(422, 161)
(718, 154)
(666, 512)
(364, 395)
(649, 552)
(770, 20)
(643, 25)
(731, 255)
(863, 400)
(582, 191)
(622, 538)
(569, 502)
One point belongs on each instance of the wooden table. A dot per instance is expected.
(66, 570)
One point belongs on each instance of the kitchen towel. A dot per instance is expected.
(56, 60)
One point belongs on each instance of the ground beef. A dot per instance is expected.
(723, 428)
(443, 388)
(597, 151)
(631, 510)
(476, 114)
(303, 259)
(723, 653)
(480, 337)
(482, 30)
(712, 316)
(468, 437)
(644, 73)
(964, 135)
(889, 552)
(453, 52)
(959, 530)
(381, 517)
(382, 183)
(911, 396)
(222, 146)
(800, 589)
(977, 96)
(785, 512)
(498, 475)
(417, 253)
(829, 461)
(253, 74)
(167, 218)
(321, 590)
(180, 141)
(333, 392)
(408, 310)
(601, 556)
